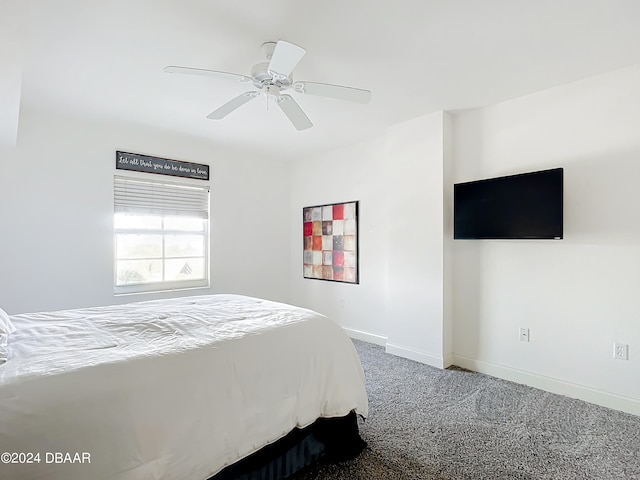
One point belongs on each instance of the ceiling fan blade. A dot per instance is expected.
(207, 73)
(232, 105)
(293, 112)
(285, 57)
(340, 92)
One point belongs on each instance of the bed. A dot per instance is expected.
(191, 388)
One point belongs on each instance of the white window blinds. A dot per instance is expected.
(160, 198)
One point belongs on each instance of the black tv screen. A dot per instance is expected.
(524, 206)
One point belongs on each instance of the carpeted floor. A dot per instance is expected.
(425, 423)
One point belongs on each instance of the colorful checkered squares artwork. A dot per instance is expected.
(330, 235)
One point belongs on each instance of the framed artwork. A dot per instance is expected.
(331, 242)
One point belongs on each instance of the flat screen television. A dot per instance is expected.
(523, 206)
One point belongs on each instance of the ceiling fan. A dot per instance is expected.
(271, 78)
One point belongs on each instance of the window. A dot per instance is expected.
(161, 235)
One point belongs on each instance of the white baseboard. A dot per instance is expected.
(366, 337)
(550, 384)
(400, 351)
(448, 360)
(416, 355)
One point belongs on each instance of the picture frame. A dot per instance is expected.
(330, 242)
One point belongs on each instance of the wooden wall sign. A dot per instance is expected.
(162, 166)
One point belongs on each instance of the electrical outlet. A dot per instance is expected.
(524, 334)
(620, 351)
(342, 302)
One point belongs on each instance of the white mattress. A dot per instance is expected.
(168, 389)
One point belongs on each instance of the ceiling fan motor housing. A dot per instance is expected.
(272, 91)
(261, 77)
(268, 48)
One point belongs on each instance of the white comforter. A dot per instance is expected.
(167, 389)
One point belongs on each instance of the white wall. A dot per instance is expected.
(357, 172)
(415, 170)
(441, 301)
(398, 180)
(578, 295)
(56, 203)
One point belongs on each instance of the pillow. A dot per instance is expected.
(6, 326)
(3, 348)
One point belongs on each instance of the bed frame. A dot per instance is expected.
(325, 440)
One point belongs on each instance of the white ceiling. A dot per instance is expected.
(105, 58)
